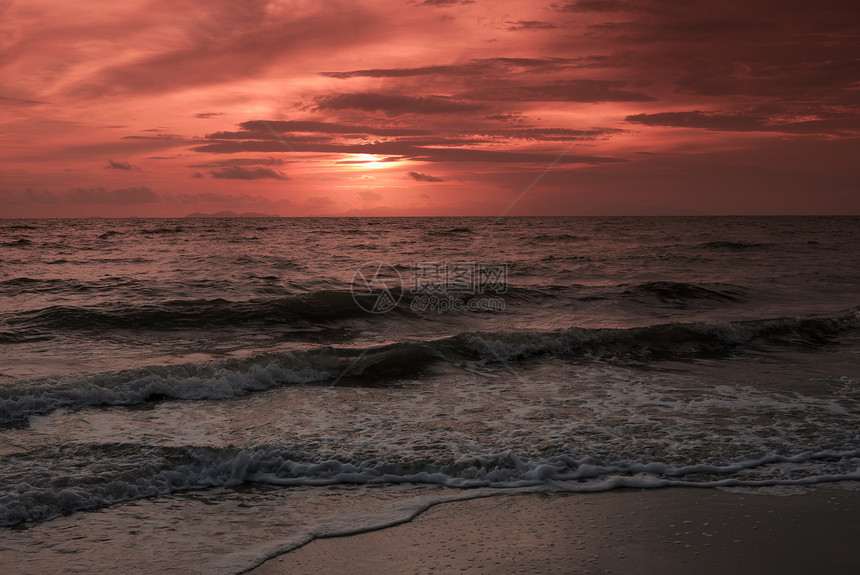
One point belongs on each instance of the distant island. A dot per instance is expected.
(229, 214)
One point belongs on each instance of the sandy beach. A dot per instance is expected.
(677, 530)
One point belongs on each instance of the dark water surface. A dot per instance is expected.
(202, 393)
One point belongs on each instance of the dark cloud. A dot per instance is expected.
(401, 72)
(18, 101)
(119, 166)
(697, 119)
(507, 117)
(530, 25)
(444, 3)
(205, 115)
(264, 128)
(553, 134)
(760, 50)
(400, 149)
(595, 6)
(470, 155)
(419, 177)
(475, 67)
(157, 137)
(240, 173)
(756, 120)
(570, 91)
(241, 162)
(394, 105)
(196, 175)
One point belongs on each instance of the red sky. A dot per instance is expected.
(433, 107)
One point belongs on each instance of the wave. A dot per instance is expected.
(157, 231)
(671, 341)
(673, 292)
(559, 238)
(450, 232)
(731, 245)
(8, 337)
(319, 306)
(377, 365)
(25, 285)
(106, 474)
(326, 305)
(22, 242)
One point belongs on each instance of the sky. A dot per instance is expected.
(157, 108)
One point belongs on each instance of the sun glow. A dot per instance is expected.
(367, 161)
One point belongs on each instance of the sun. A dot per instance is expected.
(368, 161)
(372, 161)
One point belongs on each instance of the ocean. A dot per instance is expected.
(197, 395)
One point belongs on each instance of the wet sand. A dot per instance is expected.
(666, 531)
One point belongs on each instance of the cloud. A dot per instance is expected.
(240, 173)
(364, 163)
(263, 129)
(445, 3)
(206, 115)
(393, 105)
(474, 67)
(18, 101)
(196, 175)
(419, 177)
(403, 150)
(767, 49)
(157, 138)
(716, 121)
(226, 42)
(595, 6)
(241, 162)
(569, 91)
(755, 120)
(119, 166)
(471, 155)
(507, 117)
(530, 25)
(553, 134)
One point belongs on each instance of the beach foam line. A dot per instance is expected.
(101, 475)
(403, 512)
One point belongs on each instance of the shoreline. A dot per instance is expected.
(667, 530)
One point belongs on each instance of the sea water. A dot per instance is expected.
(201, 394)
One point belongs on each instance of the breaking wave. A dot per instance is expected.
(379, 364)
